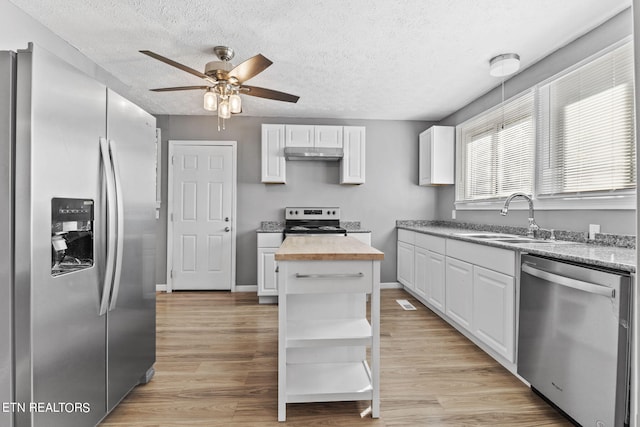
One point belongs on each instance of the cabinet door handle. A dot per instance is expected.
(330, 276)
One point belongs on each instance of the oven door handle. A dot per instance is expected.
(568, 282)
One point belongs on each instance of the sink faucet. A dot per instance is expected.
(533, 227)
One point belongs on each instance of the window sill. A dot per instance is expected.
(626, 202)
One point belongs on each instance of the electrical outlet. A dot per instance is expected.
(453, 214)
(593, 229)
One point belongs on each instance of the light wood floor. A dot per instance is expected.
(217, 366)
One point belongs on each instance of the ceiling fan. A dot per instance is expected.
(225, 82)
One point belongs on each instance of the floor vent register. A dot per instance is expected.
(406, 305)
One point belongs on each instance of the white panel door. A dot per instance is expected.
(459, 292)
(299, 136)
(352, 168)
(436, 280)
(494, 310)
(328, 136)
(267, 277)
(201, 217)
(273, 161)
(421, 273)
(405, 264)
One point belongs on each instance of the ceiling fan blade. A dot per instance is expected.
(174, 64)
(250, 68)
(172, 89)
(268, 93)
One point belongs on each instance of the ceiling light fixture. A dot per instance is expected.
(504, 65)
(501, 66)
(224, 82)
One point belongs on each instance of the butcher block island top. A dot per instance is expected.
(326, 248)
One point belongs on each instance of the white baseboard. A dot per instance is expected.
(161, 288)
(246, 288)
(390, 285)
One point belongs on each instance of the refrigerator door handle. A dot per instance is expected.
(111, 225)
(119, 225)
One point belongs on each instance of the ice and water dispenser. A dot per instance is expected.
(71, 235)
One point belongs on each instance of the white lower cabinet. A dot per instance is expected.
(470, 285)
(268, 244)
(459, 288)
(405, 264)
(494, 310)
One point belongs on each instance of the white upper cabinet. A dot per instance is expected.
(353, 162)
(276, 137)
(313, 136)
(328, 136)
(299, 135)
(273, 161)
(437, 156)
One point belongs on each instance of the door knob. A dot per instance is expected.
(227, 229)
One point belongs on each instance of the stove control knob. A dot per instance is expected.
(290, 212)
(334, 212)
(296, 212)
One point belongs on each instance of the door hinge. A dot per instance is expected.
(172, 157)
(172, 217)
(171, 274)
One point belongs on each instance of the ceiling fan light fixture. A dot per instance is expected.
(210, 101)
(224, 81)
(235, 104)
(224, 110)
(504, 65)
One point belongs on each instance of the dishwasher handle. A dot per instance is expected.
(568, 282)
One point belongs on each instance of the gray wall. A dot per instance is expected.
(390, 192)
(611, 221)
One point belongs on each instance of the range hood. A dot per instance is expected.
(313, 153)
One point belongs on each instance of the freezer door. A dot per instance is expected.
(7, 74)
(131, 316)
(60, 339)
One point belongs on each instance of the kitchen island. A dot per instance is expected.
(323, 327)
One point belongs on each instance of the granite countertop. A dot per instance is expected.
(615, 257)
(278, 227)
(325, 248)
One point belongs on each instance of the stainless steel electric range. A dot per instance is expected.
(313, 221)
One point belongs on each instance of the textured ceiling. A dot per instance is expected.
(367, 59)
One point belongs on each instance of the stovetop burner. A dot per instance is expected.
(313, 221)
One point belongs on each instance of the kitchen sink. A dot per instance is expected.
(520, 240)
(488, 235)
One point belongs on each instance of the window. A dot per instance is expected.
(587, 142)
(581, 144)
(496, 152)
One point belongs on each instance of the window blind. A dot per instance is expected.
(586, 125)
(496, 151)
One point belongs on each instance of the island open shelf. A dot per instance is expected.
(324, 286)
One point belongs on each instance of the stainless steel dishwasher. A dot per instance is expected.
(573, 342)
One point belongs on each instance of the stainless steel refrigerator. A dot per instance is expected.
(77, 211)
